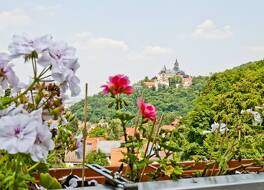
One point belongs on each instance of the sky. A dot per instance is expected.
(139, 37)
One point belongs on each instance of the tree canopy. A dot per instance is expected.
(171, 101)
(234, 98)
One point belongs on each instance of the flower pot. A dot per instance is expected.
(190, 170)
(228, 182)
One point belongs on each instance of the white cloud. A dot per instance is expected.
(156, 51)
(257, 49)
(13, 18)
(85, 40)
(209, 30)
(82, 35)
(108, 43)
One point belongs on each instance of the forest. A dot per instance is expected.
(170, 101)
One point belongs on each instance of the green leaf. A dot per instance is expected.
(4, 101)
(49, 182)
(111, 105)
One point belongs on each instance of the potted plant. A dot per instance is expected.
(34, 125)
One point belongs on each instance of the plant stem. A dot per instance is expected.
(34, 66)
(156, 134)
(242, 166)
(28, 89)
(146, 151)
(84, 132)
(149, 139)
(32, 98)
(138, 116)
(36, 80)
(45, 70)
(33, 167)
(45, 77)
(130, 163)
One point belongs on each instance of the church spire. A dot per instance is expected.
(176, 67)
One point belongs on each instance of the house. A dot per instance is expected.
(187, 81)
(106, 146)
(150, 84)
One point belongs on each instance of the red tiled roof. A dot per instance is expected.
(92, 142)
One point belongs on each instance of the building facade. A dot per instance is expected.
(170, 77)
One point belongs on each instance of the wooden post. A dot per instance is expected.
(84, 132)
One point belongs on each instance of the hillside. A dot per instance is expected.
(227, 93)
(173, 101)
(234, 97)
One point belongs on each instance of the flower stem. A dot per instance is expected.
(34, 66)
(156, 134)
(36, 80)
(149, 139)
(146, 151)
(28, 89)
(84, 132)
(33, 167)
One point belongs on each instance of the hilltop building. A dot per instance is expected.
(170, 77)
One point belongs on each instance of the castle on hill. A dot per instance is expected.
(170, 77)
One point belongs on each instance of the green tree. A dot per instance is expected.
(114, 131)
(96, 157)
(224, 99)
(97, 132)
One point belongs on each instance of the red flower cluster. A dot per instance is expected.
(118, 84)
(148, 111)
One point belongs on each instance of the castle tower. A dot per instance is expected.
(176, 67)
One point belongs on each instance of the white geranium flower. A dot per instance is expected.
(249, 110)
(4, 58)
(72, 82)
(8, 77)
(206, 132)
(60, 56)
(79, 146)
(257, 118)
(12, 110)
(26, 44)
(17, 133)
(64, 64)
(23, 132)
(221, 127)
(43, 144)
(256, 115)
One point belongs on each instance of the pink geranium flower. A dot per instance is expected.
(118, 84)
(148, 111)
